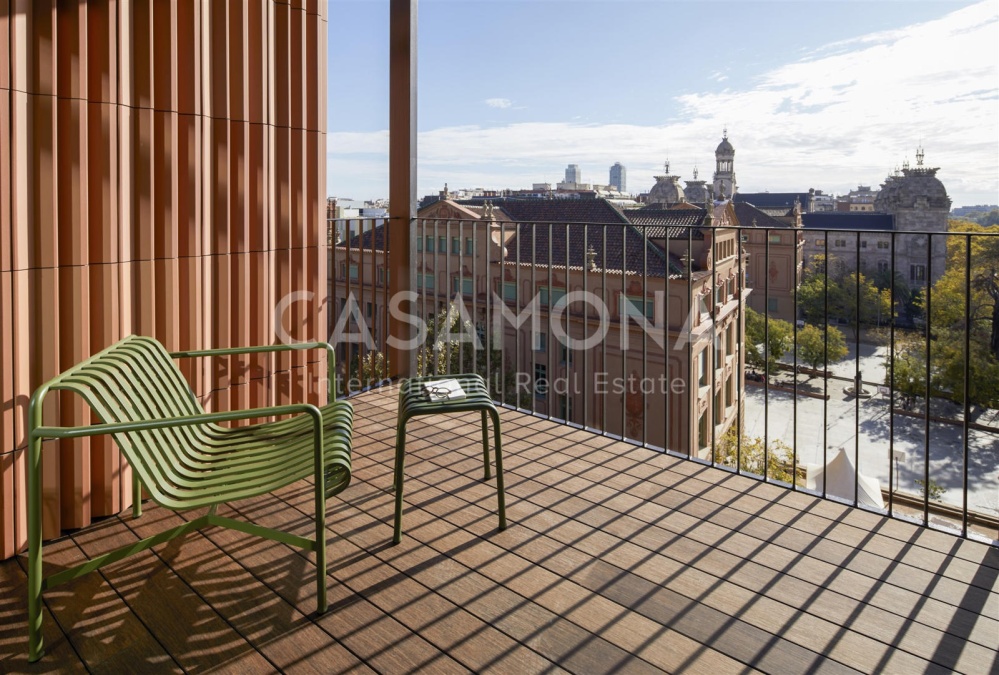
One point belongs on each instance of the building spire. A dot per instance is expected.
(695, 172)
(919, 155)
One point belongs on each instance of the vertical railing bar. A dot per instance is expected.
(461, 294)
(385, 299)
(741, 360)
(435, 355)
(549, 370)
(967, 375)
(516, 310)
(926, 412)
(766, 351)
(667, 393)
(487, 285)
(603, 343)
(890, 371)
(534, 365)
(447, 293)
(568, 326)
(794, 360)
(692, 313)
(857, 383)
(645, 333)
(586, 327)
(825, 358)
(625, 324)
(714, 337)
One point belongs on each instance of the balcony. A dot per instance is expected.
(616, 558)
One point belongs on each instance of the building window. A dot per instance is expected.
(702, 368)
(442, 244)
(541, 342)
(743, 238)
(540, 381)
(917, 272)
(509, 291)
(430, 244)
(884, 244)
(840, 243)
(730, 340)
(882, 266)
(419, 244)
(565, 408)
(355, 272)
(637, 306)
(367, 310)
(381, 276)
(469, 246)
(820, 242)
(772, 304)
(774, 238)
(455, 245)
(557, 294)
(863, 244)
(464, 284)
(565, 355)
(425, 281)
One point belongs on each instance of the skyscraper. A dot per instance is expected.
(618, 176)
(573, 174)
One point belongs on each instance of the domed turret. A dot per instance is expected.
(724, 179)
(667, 191)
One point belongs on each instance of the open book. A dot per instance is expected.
(443, 390)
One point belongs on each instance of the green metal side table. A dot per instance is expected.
(413, 403)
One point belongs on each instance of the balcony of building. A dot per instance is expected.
(616, 559)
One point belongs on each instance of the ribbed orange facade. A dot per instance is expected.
(162, 172)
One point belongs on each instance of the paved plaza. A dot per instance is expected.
(862, 428)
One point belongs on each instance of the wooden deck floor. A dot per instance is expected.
(616, 559)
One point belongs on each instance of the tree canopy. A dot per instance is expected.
(814, 350)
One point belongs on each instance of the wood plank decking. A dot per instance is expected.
(616, 559)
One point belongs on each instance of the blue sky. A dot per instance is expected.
(816, 94)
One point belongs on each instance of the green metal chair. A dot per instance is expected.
(413, 403)
(183, 457)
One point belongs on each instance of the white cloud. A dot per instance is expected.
(846, 114)
(499, 102)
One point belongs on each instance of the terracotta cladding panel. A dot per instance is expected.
(220, 185)
(256, 187)
(100, 49)
(298, 63)
(168, 307)
(70, 23)
(239, 326)
(6, 222)
(165, 175)
(43, 184)
(5, 26)
(219, 66)
(70, 168)
(7, 390)
(281, 191)
(142, 150)
(7, 500)
(141, 63)
(239, 209)
(164, 45)
(281, 83)
(101, 187)
(312, 43)
(256, 63)
(187, 184)
(39, 38)
(186, 47)
(297, 188)
(237, 61)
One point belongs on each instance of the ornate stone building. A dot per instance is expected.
(725, 185)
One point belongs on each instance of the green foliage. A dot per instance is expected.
(955, 315)
(840, 294)
(752, 458)
(818, 348)
(368, 370)
(936, 491)
(767, 340)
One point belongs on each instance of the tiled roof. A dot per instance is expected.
(843, 220)
(679, 223)
(364, 240)
(772, 200)
(750, 216)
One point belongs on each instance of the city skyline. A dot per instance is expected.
(823, 95)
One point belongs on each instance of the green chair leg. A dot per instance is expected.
(322, 602)
(500, 492)
(485, 444)
(35, 647)
(400, 459)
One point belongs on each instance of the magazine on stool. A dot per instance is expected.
(443, 390)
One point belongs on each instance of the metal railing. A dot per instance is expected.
(675, 366)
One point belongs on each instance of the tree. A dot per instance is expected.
(818, 348)
(767, 340)
(850, 296)
(752, 458)
(956, 315)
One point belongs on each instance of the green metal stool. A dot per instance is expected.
(412, 403)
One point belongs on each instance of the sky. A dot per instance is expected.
(824, 94)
